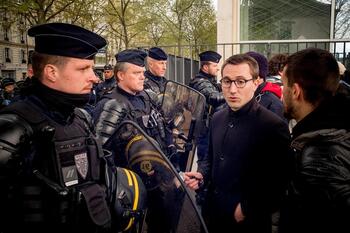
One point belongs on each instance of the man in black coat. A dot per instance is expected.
(319, 196)
(248, 159)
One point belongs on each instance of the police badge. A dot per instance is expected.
(82, 164)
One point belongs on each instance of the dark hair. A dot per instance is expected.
(316, 71)
(276, 63)
(40, 60)
(243, 59)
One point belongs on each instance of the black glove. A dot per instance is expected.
(171, 151)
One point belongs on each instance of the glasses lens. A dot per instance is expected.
(240, 83)
(225, 82)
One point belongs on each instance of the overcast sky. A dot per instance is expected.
(215, 2)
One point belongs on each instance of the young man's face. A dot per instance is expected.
(132, 79)
(157, 68)
(236, 97)
(76, 76)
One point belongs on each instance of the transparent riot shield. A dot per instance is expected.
(171, 207)
(183, 109)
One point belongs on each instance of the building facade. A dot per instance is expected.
(283, 26)
(15, 46)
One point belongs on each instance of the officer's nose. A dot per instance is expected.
(93, 77)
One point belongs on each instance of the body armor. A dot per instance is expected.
(57, 170)
(155, 87)
(206, 84)
(142, 111)
(56, 177)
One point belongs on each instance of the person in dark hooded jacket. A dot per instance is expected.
(318, 198)
(267, 94)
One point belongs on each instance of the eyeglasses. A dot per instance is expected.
(240, 83)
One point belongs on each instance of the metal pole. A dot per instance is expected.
(332, 26)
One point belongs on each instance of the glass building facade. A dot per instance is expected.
(285, 19)
(294, 19)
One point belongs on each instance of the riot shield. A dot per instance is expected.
(171, 207)
(183, 109)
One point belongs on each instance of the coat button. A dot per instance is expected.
(221, 157)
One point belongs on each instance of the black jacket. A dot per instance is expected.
(319, 195)
(206, 84)
(248, 164)
(154, 86)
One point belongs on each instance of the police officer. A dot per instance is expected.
(108, 84)
(51, 173)
(129, 101)
(154, 75)
(8, 93)
(205, 82)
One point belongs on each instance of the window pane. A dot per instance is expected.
(285, 19)
(342, 19)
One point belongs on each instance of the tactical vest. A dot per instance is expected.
(61, 177)
(149, 119)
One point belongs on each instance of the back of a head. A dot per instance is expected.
(262, 62)
(276, 63)
(316, 71)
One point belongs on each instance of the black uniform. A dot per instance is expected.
(120, 105)
(50, 166)
(154, 86)
(109, 113)
(207, 85)
(104, 87)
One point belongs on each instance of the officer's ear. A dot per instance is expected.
(120, 75)
(50, 72)
(205, 67)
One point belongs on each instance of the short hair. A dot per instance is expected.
(243, 59)
(40, 60)
(119, 66)
(203, 63)
(276, 63)
(316, 71)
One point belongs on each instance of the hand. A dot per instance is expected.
(238, 215)
(193, 179)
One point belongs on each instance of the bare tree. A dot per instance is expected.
(342, 19)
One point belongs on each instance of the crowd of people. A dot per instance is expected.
(273, 141)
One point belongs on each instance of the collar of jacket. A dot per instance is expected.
(208, 76)
(244, 110)
(127, 94)
(155, 78)
(323, 135)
